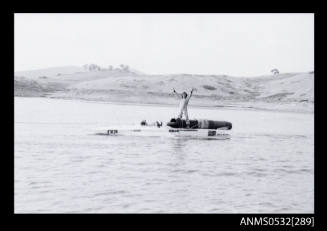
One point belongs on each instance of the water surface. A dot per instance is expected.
(61, 166)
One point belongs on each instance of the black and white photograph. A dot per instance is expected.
(165, 113)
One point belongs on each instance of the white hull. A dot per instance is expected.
(138, 130)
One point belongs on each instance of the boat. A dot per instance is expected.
(200, 124)
(175, 127)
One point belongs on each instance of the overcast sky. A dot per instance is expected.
(232, 44)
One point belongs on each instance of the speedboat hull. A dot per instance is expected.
(166, 131)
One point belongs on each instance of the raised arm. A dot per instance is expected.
(190, 95)
(177, 94)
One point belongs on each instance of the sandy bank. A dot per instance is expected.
(283, 92)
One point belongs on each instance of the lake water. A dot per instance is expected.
(62, 167)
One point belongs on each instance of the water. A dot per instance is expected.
(61, 166)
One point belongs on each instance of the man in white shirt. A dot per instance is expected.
(183, 105)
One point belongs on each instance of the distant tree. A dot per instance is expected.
(124, 67)
(275, 71)
(94, 67)
(110, 67)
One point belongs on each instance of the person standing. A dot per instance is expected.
(183, 105)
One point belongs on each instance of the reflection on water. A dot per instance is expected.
(265, 166)
(178, 144)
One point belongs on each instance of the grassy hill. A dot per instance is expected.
(282, 91)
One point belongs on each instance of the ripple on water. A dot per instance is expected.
(256, 174)
(107, 193)
(294, 171)
(125, 174)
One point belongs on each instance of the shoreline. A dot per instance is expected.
(262, 106)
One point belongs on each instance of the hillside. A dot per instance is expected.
(289, 91)
(52, 71)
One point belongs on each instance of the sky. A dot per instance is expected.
(230, 44)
